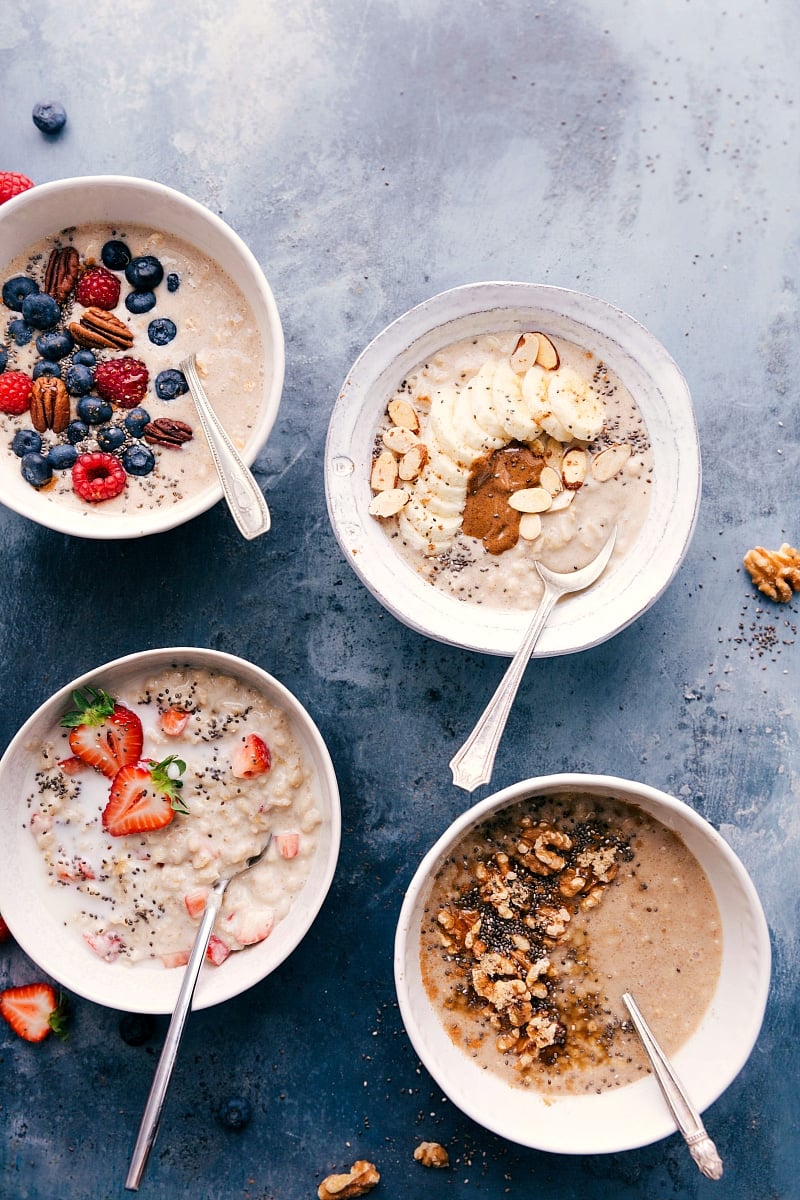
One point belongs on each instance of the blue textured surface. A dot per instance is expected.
(372, 154)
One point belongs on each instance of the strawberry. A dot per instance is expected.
(32, 1011)
(5, 932)
(12, 183)
(15, 392)
(98, 288)
(122, 381)
(72, 765)
(104, 734)
(105, 945)
(195, 901)
(98, 476)
(173, 721)
(250, 757)
(217, 951)
(287, 844)
(144, 796)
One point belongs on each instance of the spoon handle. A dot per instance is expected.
(158, 1089)
(243, 495)
(472, 765)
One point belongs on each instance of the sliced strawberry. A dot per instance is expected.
(144, 797)
(105, 945)
(72, 765)
(249, 925)
(103, 733)
(74, 870)
(250, 757)
(5, 932)
(195, 901)
(217, 951)
(33, 1011)
(175, 958)
(173, 721)
(287, 844)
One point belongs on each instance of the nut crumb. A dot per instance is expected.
(361, 1178)
(776, 573)
(432, 1154)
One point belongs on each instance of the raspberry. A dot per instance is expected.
(98, 476)
(12, 183)
(122, 381)
(98, 288)
(15, 392)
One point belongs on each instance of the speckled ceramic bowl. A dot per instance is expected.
(630, 1116)
(30, 905)
(118, 201)
(629, 586)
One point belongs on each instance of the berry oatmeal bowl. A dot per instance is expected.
(501, 424)
(136, 787)
(108, 284)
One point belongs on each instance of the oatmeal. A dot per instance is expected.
(541, 919)
(143, 801)
(505, 448)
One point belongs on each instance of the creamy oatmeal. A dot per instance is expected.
(541, 919)
(139, 896)
(506, 448)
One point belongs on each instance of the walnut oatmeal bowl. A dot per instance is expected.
(526, 922)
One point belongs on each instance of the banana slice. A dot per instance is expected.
(480, 391)
(514, 413)
(447, 502)
(575, 407)
(438, 530)
(441, 426)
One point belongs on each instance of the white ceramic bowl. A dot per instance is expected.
(119, 200)
(26, 897)
(630, 1116)
(629, 586)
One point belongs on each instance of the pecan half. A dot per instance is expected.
(100, 330)
(61, 274)
(166, 432)
(49, 404)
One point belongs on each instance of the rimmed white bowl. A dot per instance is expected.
(46, 209)
(630, 1116)
(630, 586)
(26, 897)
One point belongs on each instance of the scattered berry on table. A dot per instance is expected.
(93, 410)
(53, 369)
(77, 431)
(103, 733)
(115, 255)
(136, 1028)
(12, 183)
(84, 358)
(250, 757)
(140, 302)
(33, 1011)
(26, 441)
(15, 392)
(98, 288)
(235, 1112)
(16, 289)
(122, 381)
(144, 273)
(3, 359)
(161, 331)
(143, 796)
(173, 281)
(138, 459)
(5, 932)
(78, 379)
(20, 331)
(98, 476)
(49, 117)
(110, 437)
(55, 344)
(135, 421)
(36, 470)
(41, 310)
(62, 456)
(170, 384)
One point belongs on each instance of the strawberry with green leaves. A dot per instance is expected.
(103, 733)
(144, 796)
(33, 1011)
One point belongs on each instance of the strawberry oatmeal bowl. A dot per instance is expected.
(131, 792)
(108, 284)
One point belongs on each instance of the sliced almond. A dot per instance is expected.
(383, 476)
(403, 414)
(609, 462)
(550, 480)
(562, 501)
(388, 504)
(413, 461)
(399, 440)
(573, 468)
(553, 453)
(531, 500)
(548, 355)
(530, 526)
(525, 353)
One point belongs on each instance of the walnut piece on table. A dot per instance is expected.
(361, 1178)
(776, 573)
(432, 1154)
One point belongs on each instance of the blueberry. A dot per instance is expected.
(110, 437)
(136, 1028)
(79, 379)
(161, 331)
(135, 421)
(55, 345)
(140, 302)
(3, 359)
(41, 310)
(62, 457)
(26, 441)
(144, 273)
(115, 256)
(46, 368)
(235, 1112)
(84, 358)
(138, 459)
(93, 410)
(77, 431)
(50, 118)
(20, 331)
(173, 281)
(170, 384)
(36, 470)
(15, 290)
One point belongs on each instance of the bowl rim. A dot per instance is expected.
(79, 970)
(537, 1129)
(95, 526)
(586, 619)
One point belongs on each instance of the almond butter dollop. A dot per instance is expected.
(487, 513)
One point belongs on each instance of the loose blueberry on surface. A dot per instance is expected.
(115, 255)
(50, 117)
(110, 437)
(161, 331)
(16, 289)
(140, 302)
(20, 331)
(26, 441)
(77, 431)
(170, 384)
(36, 470)
(84, 358)
(235, 1112)
(138, 459)
(144, 273)
(79, 379)
(61, 457)
(136, 1028)
(135, 421)
(173, 281)
(3, 359)
(41, 367)
(93, 410)
(55, 345)
(41, 310)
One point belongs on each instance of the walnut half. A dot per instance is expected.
(776, 573)
(361, 1178)
(432, 1154)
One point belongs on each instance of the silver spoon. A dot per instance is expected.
(687, 1118)
(472, 764)
(169, 1052)
(243, 495)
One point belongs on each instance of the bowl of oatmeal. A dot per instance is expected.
(500, 423)
(526, 922)
(108, 284)
(130, 792)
